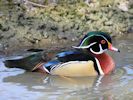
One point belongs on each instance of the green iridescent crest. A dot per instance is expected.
(86, 40)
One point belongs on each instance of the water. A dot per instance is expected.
(16, 84)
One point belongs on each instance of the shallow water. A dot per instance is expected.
(16, 84)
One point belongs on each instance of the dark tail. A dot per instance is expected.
(12, 63)
(27, 63)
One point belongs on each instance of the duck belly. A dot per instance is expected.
(74, 69)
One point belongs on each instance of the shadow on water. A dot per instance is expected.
(17, 84)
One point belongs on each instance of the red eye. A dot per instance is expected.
(103, 41)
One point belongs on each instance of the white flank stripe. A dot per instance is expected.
(45, 69)
(70, 62)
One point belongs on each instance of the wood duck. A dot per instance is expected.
(87, 59)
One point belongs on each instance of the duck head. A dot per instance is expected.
(97, 42)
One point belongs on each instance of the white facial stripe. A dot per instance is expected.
(100, 51)
(88, 46)
(84, 47)
(91, 36)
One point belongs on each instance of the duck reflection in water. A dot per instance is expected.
(51, 84)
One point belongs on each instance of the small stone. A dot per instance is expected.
(1, 14)
(82, 11)
(1, 46)
(74, 39)
(130, 30)
(108, 23)
(62, 36)
(45, 35)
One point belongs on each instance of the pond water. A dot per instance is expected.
(16, 84)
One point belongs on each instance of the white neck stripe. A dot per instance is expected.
(99, 67)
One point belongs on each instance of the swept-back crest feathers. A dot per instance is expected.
(85, 41)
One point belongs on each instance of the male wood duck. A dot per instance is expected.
(87, 59)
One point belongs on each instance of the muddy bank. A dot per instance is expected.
(59, 24)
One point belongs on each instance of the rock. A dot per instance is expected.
(1, 47)
(106, 2)
(108, 23)
(55, 25)
(123, 6)
(130, 30)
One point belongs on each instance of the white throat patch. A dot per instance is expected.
(100, 51)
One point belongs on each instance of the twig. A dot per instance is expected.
(35, 4)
